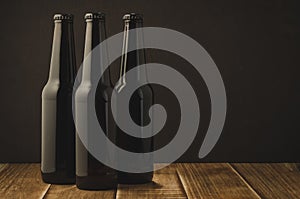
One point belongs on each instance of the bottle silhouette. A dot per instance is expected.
(140, 102)
(58, 130)
(90, 173)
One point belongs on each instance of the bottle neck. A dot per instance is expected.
(132, 39)
(63, 66)
(95, 34)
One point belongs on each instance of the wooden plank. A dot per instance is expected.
(165, 168)
(3, 166)
(71, 191)
(22, 181)
(199, 180)
(213, 180)
(166, 184)
(276, 180)
(292, 166)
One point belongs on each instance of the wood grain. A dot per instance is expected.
(71, 191)
(292, 166)
(213, 180)
(22, 181)
(2, 167)
(187, 180)
(167, 169)
(277, 180)
(166, 184)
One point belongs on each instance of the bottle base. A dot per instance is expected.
(103, 182)
(57, 178)
(134, 178)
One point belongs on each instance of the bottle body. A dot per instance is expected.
(91, 174)
(58, 130)
(140, 103)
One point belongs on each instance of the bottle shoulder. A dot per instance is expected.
(50, 90)
(141, 92)
(145, 91)
(54, 88)
(104, 92)
(86, 88)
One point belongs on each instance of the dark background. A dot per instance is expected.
(255, 45)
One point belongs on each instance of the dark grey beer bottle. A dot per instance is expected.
(58, 131)
(91, 174)
(140, 102)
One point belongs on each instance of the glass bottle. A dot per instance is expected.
(58, 130)
(140, 102)
(91, 174)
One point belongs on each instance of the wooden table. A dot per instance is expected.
(181, 180)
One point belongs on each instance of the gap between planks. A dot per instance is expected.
(213, 180)
(244, 180)
(22, 181)
(166, 185)
(181, 180)
(272, 180)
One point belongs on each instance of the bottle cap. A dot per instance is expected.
(96, 15)
(133, 17)
(68, 17)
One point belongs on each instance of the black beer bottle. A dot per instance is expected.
(140, 102)
(58, 130)
(90, 173)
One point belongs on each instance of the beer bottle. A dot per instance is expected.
(91, 174)
(58, 130)
(140, 102)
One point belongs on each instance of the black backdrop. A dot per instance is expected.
(254, 43)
